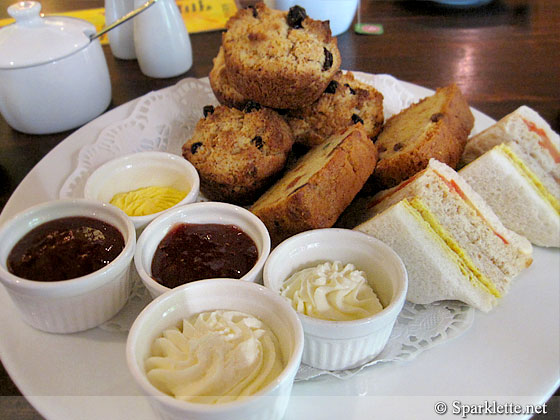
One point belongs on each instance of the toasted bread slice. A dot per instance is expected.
(316, 191)
(436, 127)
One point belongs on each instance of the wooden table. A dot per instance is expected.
(501, 55)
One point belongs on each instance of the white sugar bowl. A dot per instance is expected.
(52, 76)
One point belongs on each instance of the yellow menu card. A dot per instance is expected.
(199, 15)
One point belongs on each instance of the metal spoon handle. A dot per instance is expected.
(123, 19)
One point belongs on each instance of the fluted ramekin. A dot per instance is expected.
(208, 295)
(69, 305)
(143, 169)
(207, 212)
(336, 345)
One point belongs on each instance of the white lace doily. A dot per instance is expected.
(418, 328)
(163, 120)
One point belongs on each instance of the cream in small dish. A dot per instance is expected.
(72, 304)
(332, 291)
(225, 305)
(344, 344)
(142, 171)
(199, 216)
(219, 355)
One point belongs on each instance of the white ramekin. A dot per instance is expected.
(208, 212)
(336, 345)
(77, 304)
(143, 169)
(207, 295)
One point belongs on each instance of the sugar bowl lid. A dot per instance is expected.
(34, 40)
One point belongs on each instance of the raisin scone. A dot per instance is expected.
(436, 127)
(238, 153)
(317, 190)
(223, 89)
(344, 102)
(279, 59)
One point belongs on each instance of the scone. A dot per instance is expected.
(279, 59)
(316, 191)
(223, 89)
(436, 127)
(238, 153)
(344, 102)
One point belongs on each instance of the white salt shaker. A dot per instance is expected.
(161, 40)
(121, 39)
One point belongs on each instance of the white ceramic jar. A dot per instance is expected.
(121, 39)
(161, 40)
(52, 76)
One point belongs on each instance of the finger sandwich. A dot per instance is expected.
(450, 240)
(516, 193)
(517, 171)
(539, 145)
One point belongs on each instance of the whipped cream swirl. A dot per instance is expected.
(215, 357)
(331, 291)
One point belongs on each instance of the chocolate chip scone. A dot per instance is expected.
(279, 59)
(322, 184)
(436, 127)
(223, 89)
(344, 102)
(238, 153)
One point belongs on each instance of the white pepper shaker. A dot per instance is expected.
(121, 39)
(161, 40)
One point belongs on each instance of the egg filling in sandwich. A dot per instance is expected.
(516, 194)
(450, 240)
(520, 179)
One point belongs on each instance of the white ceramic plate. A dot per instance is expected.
(511, 355)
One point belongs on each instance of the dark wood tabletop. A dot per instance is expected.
(502, 55)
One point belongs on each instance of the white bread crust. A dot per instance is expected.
(432, 274)
(417, 188)
(484, 209)
(476, 228)
(513, 198)
(513, 128)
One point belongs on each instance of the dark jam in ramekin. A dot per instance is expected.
(64, 249)
(191, 252)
